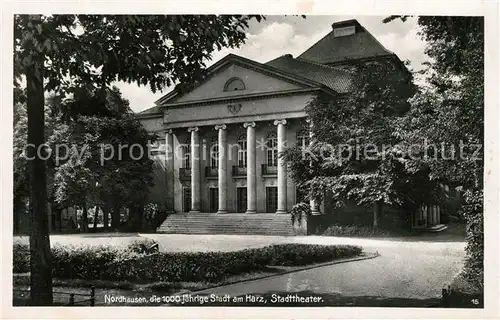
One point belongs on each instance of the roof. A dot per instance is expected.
(334, 78)
(339, 49)
(150, 111)
(286, 73)
(313, 68)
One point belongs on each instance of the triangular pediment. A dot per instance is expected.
(250, 78)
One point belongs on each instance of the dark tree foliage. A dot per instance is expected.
(109, 163)
(450, 112)
(355, 153)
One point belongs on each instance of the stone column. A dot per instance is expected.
(169, 170)
(251, 168)
(281, 166)
(195, 170)
(222, 170)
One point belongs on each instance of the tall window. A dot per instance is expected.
(303, 139)
(271, 199)
(186, 154)
(242, 151)
(214, 153)
(241, 199)
(272, 149)
(186, 199)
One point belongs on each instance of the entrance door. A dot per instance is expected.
(241, 199)
(186, 199)
(214, 199)
(271, 199)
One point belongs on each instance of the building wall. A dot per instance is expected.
(271, 108)
(207, 134)
(157, 192)
(153, 124)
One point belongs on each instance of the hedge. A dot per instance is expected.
(21, 257)
(302, 254)
(110, 263)
(354, 231)
(473, 212)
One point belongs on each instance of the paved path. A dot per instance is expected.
(408, 270)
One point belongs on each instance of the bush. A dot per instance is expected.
(472, 210)
(302, 254)
(21, 257)
(153, 216)
(83, 262)
(144, 246)
(354, 231)
(299, 211)
(109, 263)
(211, 266)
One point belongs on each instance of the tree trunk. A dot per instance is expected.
(85, 219)
(105, 218)
(17, 214)
(377, 212)
(58, 219)
(140, 214)
(115, 218)
(135, 217)
(96, 215)
(40, 255)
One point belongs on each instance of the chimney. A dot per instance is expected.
(345, 28)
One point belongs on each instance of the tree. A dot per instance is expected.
(449, 111)
(110, 165)
(57, 52)
(450, 108)
(355, 154)
(21, 190)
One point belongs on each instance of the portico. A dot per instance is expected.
(220, 172)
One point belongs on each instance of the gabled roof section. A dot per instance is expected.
(334, 78)
(152, 110)
(280, 73)
(348, 40)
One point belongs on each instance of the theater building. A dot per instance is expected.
(217, 161)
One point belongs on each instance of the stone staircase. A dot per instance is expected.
(229, 223)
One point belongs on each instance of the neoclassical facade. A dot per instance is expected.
(222, 152)
(220, 141)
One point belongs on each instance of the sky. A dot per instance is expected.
(279, 35)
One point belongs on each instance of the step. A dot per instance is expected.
(229, 232)
(436, 228)
(230, 223)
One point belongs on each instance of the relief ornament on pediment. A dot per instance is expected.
(234, 108)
